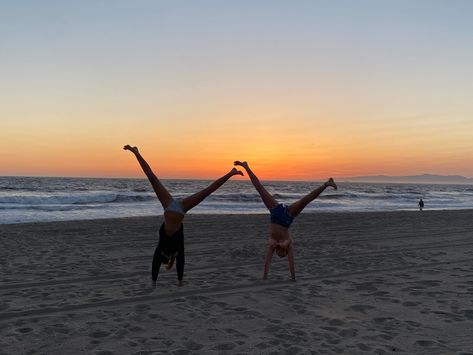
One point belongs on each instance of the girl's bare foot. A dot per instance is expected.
(244, 164)
(131, 149)
(332, 183)
(235, 171)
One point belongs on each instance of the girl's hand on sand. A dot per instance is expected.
(131, 149)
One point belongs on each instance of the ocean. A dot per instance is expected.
(39, 199)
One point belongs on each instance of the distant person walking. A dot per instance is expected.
(421, 205)
(171, 234)
(282, 216)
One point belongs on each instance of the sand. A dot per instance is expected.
(367, 283)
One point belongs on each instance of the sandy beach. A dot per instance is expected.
(367, 283)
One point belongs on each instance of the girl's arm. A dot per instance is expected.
(290, 259)
(269, 255)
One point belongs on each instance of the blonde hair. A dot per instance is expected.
(170, 263)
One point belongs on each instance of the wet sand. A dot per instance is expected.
(367, 283)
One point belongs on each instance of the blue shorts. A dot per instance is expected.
(279, 215)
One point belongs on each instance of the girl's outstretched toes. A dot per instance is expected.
(235, 171)
(241, 163)
(331, 182)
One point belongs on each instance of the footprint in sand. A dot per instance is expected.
(348, 333)
(330, 339)
(293, 350)
(449, 317)
(299, 309)
(249, 314)
(136, 329)
(410, 304)
(381, 320)
(330, 329)
(363, 347)
(365, 286)
(362, 308)
(299, 332)
(468, 313)
(235, 332)
(99, 334)
(142, 307)
(167, 342)
(224, 346)
(192, 345)
(380, 293)
(431, 283)
(385, 336)
(272, 329)
(24, 330)
(262, 345)
(336, 322)
(59, 328)
(425, 343)
(331, 282)
(413, 324)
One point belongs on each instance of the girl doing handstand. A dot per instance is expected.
(171, 234)
(282, 217)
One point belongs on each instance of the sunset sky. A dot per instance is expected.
(301, 89)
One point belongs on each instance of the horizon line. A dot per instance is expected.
(342, 179)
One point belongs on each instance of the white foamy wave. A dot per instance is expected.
(73, 199)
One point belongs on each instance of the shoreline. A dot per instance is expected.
(374, 282)
(203, 215)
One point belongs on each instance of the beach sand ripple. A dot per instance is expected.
(367, 283)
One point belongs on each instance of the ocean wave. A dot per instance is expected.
(287, 196)
(236, 197)
(19, 188)
(135, 198)
(74, 199)
(48, 208)
(338, 196)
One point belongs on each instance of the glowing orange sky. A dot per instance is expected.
(334, 92)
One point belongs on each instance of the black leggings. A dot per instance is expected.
(167, 246)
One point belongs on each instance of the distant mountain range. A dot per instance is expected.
(421, 179)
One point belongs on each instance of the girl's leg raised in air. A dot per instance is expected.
(268, 200)
(163, 195)
(297, 207)
(195, 199)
